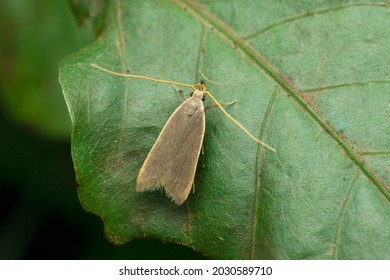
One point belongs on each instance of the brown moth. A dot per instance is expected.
(172, 161)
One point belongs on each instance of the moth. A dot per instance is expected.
(172, 161)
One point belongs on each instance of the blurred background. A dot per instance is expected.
(40, 215)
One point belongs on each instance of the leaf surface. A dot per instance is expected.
(311, 79)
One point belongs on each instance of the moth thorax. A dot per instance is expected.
(198, 94)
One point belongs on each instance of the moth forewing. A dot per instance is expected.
(172, 161)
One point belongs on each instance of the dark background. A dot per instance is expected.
(40, 215)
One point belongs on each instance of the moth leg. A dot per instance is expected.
(193, 187)
(215, 105)
(179, 92)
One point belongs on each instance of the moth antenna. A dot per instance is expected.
(240, 125)
(141, 77)
(204, 77)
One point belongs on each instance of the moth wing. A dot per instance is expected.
(172, 161)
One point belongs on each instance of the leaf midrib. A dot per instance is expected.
(228, 34)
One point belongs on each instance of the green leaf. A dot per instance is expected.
(311, 79)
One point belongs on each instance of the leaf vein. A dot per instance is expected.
(120, 44)
(258, 175)
(336, 240)
(344, 85)
(308, 14)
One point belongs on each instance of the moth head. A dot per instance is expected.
(200, 91)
